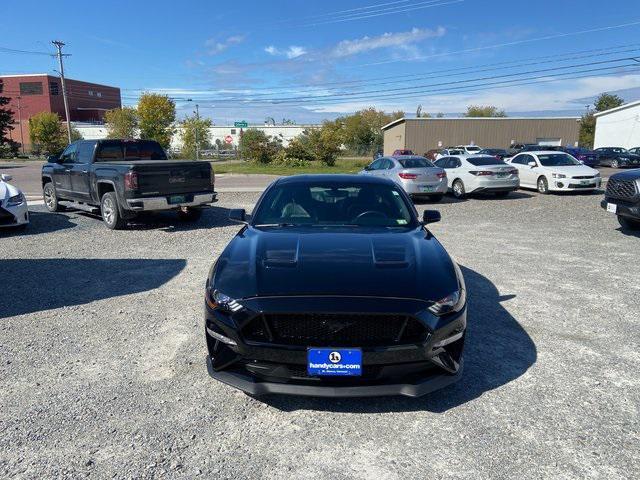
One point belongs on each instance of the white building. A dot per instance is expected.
(618, 127)
(229, 135)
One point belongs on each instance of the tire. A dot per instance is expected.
(628, 223)
(436, 198)
(543, 186)
(615, 164)
(502, 194)
(190, 214)
(458, 189)
(110, 212)
(50, 197)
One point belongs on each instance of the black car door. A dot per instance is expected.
(80, 170)
(62, 171)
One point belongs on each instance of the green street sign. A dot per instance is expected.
(241, 124)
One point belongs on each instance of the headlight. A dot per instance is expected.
(454, 302)
(217, 299)
(558, 175)
(16, 200)
(597, 174)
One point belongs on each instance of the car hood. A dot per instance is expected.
(628, 175)
(573, 171)
(295, 261)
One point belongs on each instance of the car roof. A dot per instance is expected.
(330, 178)
(405, 157)
(539, 152)
(465, 156)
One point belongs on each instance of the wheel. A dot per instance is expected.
(458, 189)
(502, 194)
(628, 223)
(436, 198)
(615, 164)
(110, 212)
(189, 214)
(51, 198)
(543, 185)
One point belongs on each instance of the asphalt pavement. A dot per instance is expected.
(102, 351)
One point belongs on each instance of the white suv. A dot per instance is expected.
(470, 149)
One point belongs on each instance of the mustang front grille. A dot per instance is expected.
(623, 189)
(339, 330)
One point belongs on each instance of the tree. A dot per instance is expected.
(324, 143)
(257, 146)
(46, 133)
(75, 134)
(604, 102)
(191, 125)
(7, 145)
(156, 115)
(362, 131)
(121, 122)
(484, 111)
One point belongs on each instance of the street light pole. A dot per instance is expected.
(59, 46)
(196, 129)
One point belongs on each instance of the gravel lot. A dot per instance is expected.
(102, 352)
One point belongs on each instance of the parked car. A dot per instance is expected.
(432, 154)
(584, 156)
(550, 171)
(445, 152)
(469, 149)
(124, 177)
(14, 211)
(622, 198)
(518, 147)
(335, 288)
(635, 150)
(617, 157)
(499, 153)
(541, 148)
(468, 174)
(404, 151)
(416, 175)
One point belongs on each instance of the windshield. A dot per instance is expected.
(619, 150)
(473, 149)
(484, 161)
(118, 150)
(417, 162)
(334, 204)
(557, 160)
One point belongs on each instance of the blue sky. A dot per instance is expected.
(310, 60)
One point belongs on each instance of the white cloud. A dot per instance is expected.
(214, 47)
(348, 48)
(292, 52)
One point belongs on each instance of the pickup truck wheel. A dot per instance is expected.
(189, 214)
(628, 223)
(110, 212)
(50, 197)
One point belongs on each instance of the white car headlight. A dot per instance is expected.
(597, 174)
(16, 200)
(558, 175)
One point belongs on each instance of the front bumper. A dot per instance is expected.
(409, 369)
(574, 185)
(162, 203)
(623, 208)
(14, 216)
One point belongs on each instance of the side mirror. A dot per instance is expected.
(6, 178)
(53, 159)
(238, 215)
(532, 164)
(431, 216)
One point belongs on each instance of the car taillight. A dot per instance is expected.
(513, 172)
(441, 175)
(408, 176)
(481, 173)
(131, 181)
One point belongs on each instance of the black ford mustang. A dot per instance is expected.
(335, 288)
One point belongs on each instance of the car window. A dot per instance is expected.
(473, 149)
(85, 152)
(387, 164)
(557, 160)
(415, 162)
(441, 162)
(69, 154)
(143, 150)
(520, 160)
(109, 152)
(376, 165)
(319, 204)
(484, 161)
(453, 163)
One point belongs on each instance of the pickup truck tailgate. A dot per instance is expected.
(169, 177)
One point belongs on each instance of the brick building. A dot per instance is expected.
(35, 93)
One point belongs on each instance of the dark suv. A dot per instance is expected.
(622, 198)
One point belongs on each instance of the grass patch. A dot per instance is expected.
(343, 165)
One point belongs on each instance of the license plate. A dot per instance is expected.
(330, 362)
(502, 175)
(177, 199)
(427, 188)
(612, 207)
(585, 182)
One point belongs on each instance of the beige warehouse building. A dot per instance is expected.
(423, 134)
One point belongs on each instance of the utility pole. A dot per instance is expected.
(20, 121)
(59, 46)
(196, 130)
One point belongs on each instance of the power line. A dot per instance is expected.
(25, 52)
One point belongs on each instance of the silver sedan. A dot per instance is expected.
(416, 175)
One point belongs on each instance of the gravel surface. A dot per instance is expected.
(102, 369)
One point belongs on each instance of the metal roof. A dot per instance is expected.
(617, 109)
(431, 119)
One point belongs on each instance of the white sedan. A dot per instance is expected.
(550, 171)
(478, 173)
(13, 205)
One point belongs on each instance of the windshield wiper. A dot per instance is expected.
(276, 225)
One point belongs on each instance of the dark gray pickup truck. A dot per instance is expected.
(124, 177)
